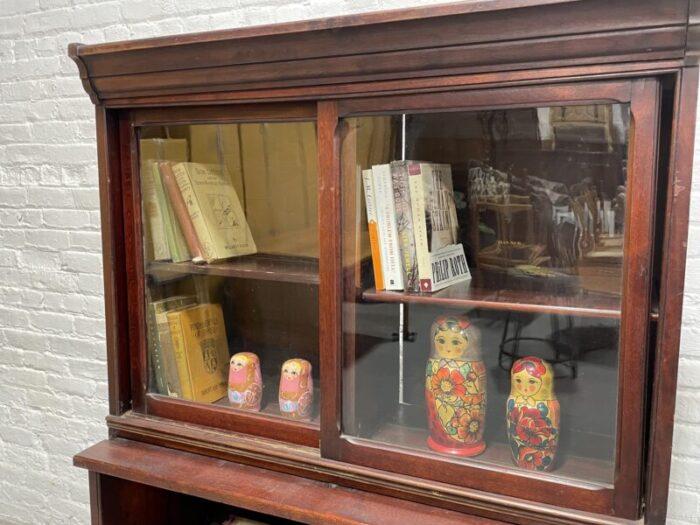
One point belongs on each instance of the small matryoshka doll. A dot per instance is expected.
(532, 416)
(245, 381)
(455, 388)
(296, 394)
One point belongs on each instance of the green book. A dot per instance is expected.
(171, 226)
(160, 347)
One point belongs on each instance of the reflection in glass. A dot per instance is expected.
(540, 199)
(230, 225)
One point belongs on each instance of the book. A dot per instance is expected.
(201, 351)
(163, 363)
(386, 227)
(404, 225)
(157, 246)
(173, 232)
(180, 212)
(156, 242)
(371, 208)
(440, 258)
(215, 210)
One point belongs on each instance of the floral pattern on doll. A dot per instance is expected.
(532, 415)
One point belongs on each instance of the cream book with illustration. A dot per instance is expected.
(215, 210)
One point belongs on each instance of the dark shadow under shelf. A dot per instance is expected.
(467, 295)
(303, 270)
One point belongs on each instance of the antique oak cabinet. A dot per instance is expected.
(559, 134)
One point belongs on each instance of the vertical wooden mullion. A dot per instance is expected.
(330, 277)
(133, 233)
(671, 296)
(112, 225)
(634, 330)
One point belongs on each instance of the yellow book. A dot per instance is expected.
(215, 210)
(201, 351)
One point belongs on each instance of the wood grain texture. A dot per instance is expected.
(352, 49)
(636, 286)
(330, 306)
(257, 489)
(306, 462)
(470, 55)
(671, 296)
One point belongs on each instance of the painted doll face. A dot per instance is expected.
(238, 362)
(291, 371)
(450, 345)
(525, 384)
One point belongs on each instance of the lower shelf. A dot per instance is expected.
(569, 468)
(256, 489)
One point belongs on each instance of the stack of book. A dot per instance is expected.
(188, 352)
(413, 227)
(191, 210)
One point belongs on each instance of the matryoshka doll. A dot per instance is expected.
(455, 388)
(532, 416)
(296, 393)
(245, 381)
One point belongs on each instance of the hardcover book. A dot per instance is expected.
(404, 225)
(370, 205)
(161, 346)
(201, 351)
(156, 217)
(173, 232)
(215, 210)
(440, 257)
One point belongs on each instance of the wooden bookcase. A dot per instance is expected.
(414, 81)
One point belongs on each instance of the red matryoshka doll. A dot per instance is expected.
(532, 416)
(245, 381)
(296, 394)
(455, 388)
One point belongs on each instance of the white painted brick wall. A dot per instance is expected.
(53, 394)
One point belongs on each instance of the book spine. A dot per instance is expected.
(177, 337)
(386, 221)
(153, 215)
(370, 205)
(180, 211)
(404, 225)
(155, 352)
(420, 232)
(176, 253)
(184, 183)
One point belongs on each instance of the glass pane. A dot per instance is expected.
(535, 200)
(230, 225)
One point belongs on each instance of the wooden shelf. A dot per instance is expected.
(303, 270)
(256, 489)
(466, 295)
(569, 469)
(266, 423)
(272, 409)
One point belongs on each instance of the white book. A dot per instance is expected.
(371, 206)
(386, 225)
(439, 255)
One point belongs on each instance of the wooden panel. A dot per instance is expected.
(113, 255)
(671, 295)
(614, 47)
(330, 294)
(636, 285)
(260, 490)
(266, 268)
(290, 430)
(357, 47)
